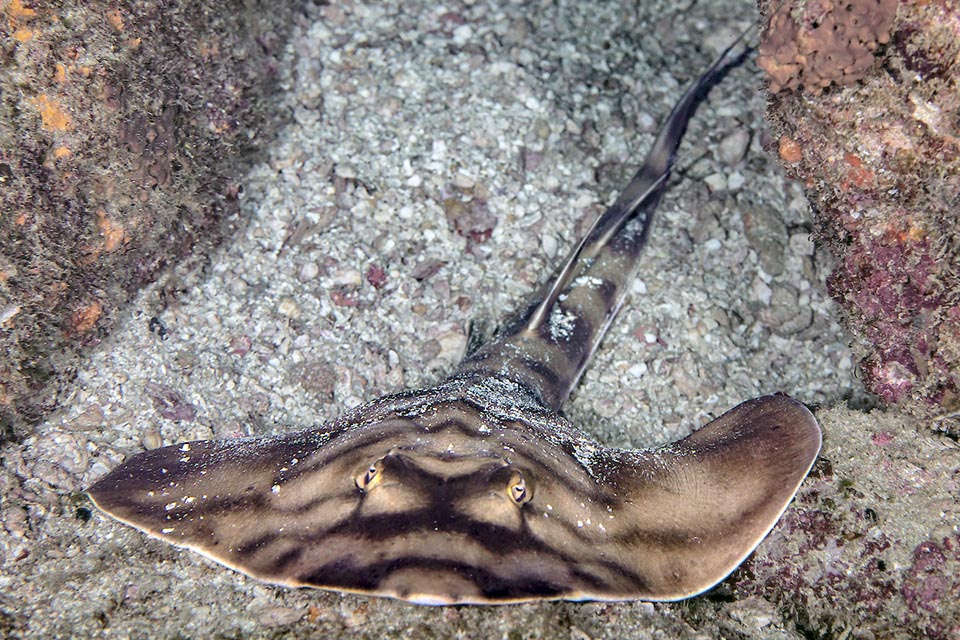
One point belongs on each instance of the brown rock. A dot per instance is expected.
(98, 194)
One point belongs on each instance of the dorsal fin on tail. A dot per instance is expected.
(546, 347)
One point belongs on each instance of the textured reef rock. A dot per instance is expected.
(114, 122)
(830, 43)
(865, 102)
(870, 547)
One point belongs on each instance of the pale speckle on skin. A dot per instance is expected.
(561, 324)
(587, 281)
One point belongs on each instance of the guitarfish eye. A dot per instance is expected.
(518, 490)
(369, 477)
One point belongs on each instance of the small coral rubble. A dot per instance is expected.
(831, 42)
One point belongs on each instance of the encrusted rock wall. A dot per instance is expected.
(865, 101)
(870, 547)
(824, 42)
(120, 124)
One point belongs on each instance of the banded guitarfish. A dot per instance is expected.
(478, 490)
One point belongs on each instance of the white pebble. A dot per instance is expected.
(760, 291)
(549, 244)
(309, 271)
(348, 277)
(289, 308)
(462, 34)
(801, 244)
(715, 182)
(638, 370)
(735, 181)
(733, 147)
(463, 181)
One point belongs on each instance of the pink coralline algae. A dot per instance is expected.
(892, 283)
(928, 586)
(869, 548)
(815, 554)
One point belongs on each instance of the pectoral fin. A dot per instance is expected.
(691, 512)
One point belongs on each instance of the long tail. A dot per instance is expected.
(547, 346)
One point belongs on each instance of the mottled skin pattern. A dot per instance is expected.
(477, 490)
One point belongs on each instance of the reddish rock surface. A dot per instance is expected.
(880, 159)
